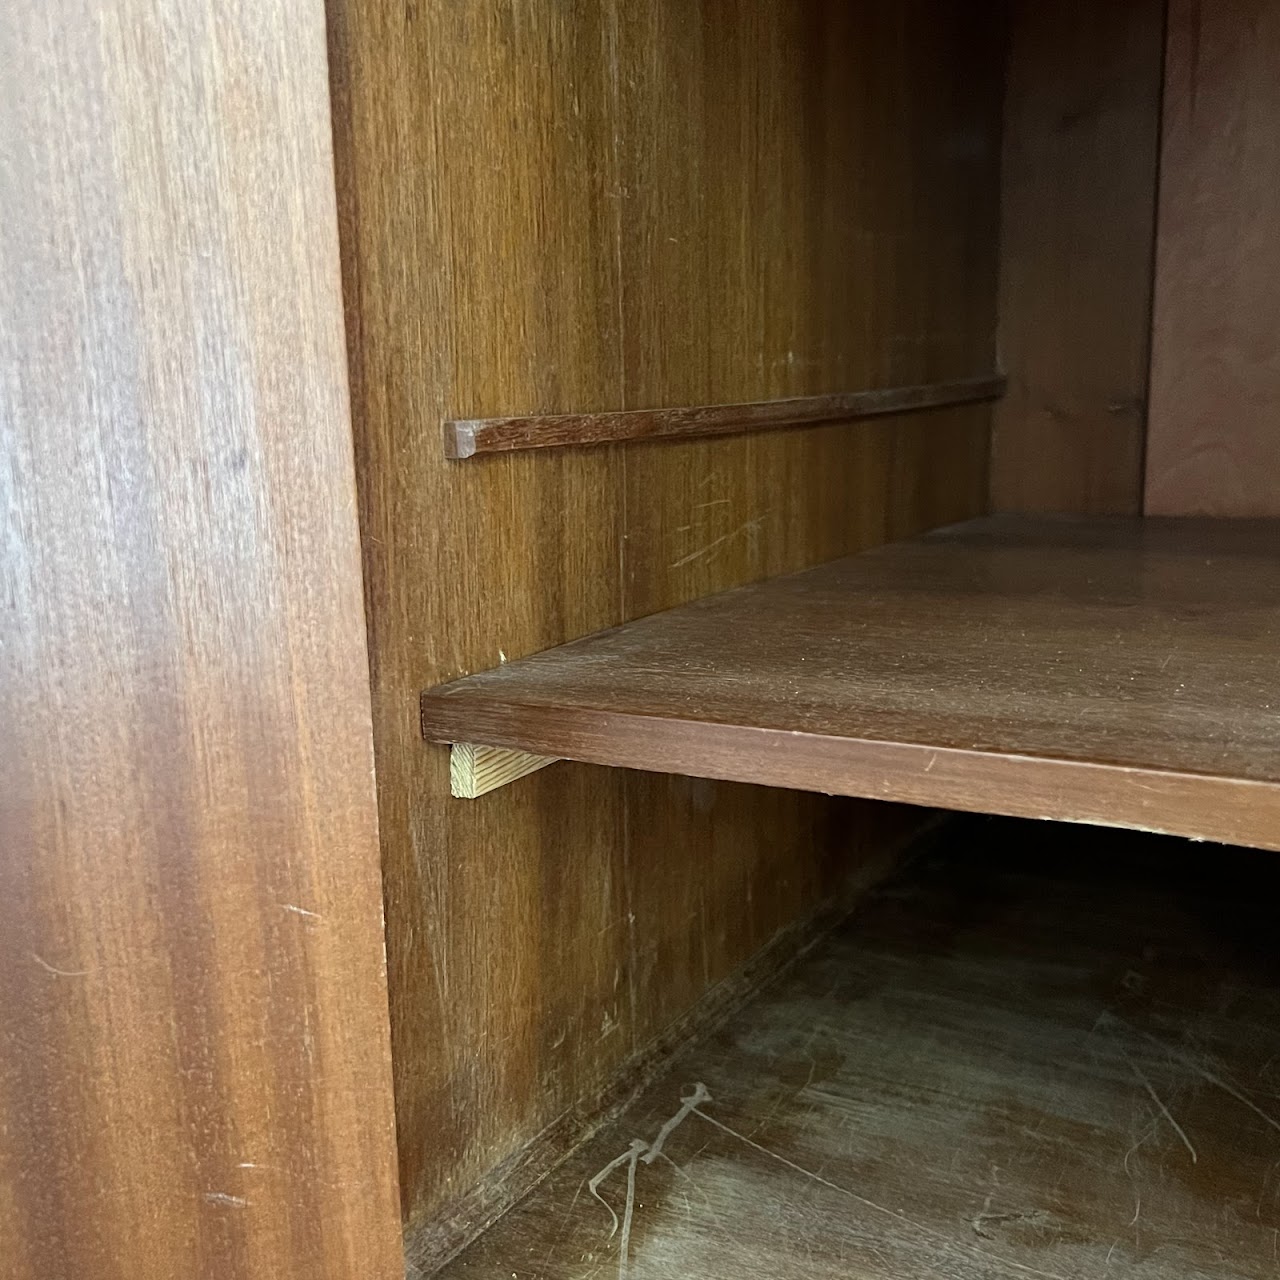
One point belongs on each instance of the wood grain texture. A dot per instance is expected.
(1114, 671)
(466, 438)
(575, 207)
(474, 770)
(1078, 192)
(1005, 1066)
(1215, 374)
(194, 1054)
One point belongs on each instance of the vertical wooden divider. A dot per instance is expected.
(194, 1050)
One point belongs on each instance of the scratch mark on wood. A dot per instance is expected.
(871, 1204)
(632, 1153)
(745, 527)
(687, 1105)
(706, 1199)
(1194, 1065)
(981, 1217)
(226, 1201)
(302, 911)
(564, 1224)
(1229, 1088)
(624, 1246)
(1136, 1144)
(637, 1151)
(1164, 1111)
(59, 973)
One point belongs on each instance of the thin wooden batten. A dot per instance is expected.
(464, 438)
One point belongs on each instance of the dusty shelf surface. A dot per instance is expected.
(1045, 1053)
(1113, 671)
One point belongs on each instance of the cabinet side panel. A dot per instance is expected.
(194, 1047)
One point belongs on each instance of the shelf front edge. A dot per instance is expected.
(1196, 806)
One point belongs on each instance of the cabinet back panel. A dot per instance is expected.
(1082, 121)
(1215, 392)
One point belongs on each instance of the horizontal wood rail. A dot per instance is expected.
(464, 438)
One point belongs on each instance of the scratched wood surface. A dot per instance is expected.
(581, 207)
(194, 1049)
(1078, 194)
(1044, 1053)
(1215, 373)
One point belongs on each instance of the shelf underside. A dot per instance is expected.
(1114, 671)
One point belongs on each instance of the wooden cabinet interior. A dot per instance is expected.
(710, 210)
(1115, 673)
(669, 229)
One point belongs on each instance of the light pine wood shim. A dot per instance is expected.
(464, 438)
(474, 770)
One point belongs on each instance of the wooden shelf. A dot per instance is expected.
(1122, 672)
